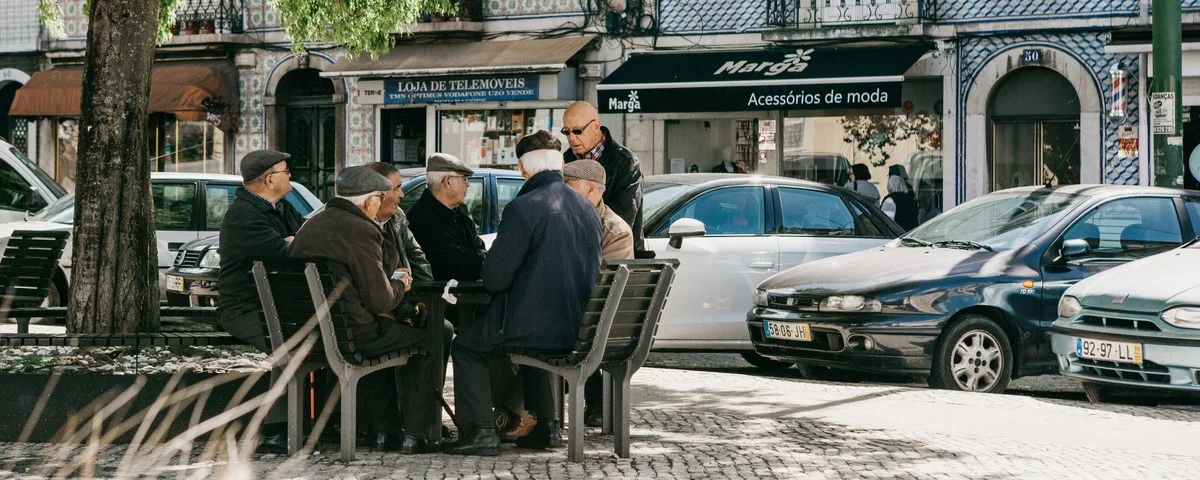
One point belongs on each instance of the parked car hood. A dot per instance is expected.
(888, 269)
(1146, 285)
(202, 243)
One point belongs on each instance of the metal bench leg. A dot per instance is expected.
(620, 408)
(349, 397)
(23, 325)
(607, 403)
(295, 412)
(557, 387)
(575, 440)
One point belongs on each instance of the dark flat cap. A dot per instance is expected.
(353, 181)
(445, 162)
(539, 140)
(258, 162)
(589, 170)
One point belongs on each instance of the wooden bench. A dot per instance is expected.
(27, 271)
(614, 337)
(301, 298)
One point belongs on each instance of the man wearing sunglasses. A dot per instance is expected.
(442, 226)
(623, 185)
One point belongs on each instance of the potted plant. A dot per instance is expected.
(208, 25)
(193, 27)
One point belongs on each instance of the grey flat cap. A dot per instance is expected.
(445, 162)
(360, 180)
(589, 170)
(258, 162)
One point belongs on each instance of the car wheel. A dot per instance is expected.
(827, 374)
(973, 355)
(1095, 393)
(765, 363)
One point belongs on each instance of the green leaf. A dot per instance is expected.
(358, 25)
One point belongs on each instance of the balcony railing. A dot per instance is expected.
(196, 17)
(813, 13)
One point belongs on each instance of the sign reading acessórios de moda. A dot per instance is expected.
(759, 98)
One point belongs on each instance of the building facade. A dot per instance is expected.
(968, 96)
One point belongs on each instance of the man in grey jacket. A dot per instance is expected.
(395, 225)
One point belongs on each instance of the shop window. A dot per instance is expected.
(488, 138)
(173, 205)
(183, 146)
(720, 145)
(66, 158)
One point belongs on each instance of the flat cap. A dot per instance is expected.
(258, 162)
(539, 140)
(353, 181)
(445, 162)
(589, 170)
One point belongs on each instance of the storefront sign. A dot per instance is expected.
(755, 98)
(1162, 113)
(460, 89)
(1127, 143)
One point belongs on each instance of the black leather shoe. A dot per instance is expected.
(547, 434)
(276, 443)
(593, 418)
(416, 446)
(387, 443)
(478, 440)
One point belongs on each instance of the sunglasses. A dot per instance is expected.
(576, 131)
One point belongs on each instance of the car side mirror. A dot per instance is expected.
(33, 201)
(1074, 248)
(684, 227)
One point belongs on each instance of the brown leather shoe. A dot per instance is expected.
(520, 428)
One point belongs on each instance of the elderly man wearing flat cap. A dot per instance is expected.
(345, 233)
(259, 223)
(442, 225)
(540, 272)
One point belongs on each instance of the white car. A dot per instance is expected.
(187, 206)
(732, 232)
(24, 187)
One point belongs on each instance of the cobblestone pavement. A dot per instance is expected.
(705, 424)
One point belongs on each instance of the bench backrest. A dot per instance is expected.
(28, 266)
(284, 287)
(623, 311)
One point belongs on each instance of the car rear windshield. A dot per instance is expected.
(999, 221)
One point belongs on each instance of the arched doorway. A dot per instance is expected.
(310, 135)
(1033, 116)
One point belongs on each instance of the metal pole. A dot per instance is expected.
(1166, 102)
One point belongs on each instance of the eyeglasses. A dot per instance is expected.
(287, 171)
(381, 196)
(576, 131)
(447, 179)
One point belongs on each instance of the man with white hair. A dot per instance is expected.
(346, 235)
(443, 226)
(540, 272)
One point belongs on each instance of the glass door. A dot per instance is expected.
(310, 141)
(1028, 153)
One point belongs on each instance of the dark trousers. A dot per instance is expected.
(246, 325)
(401, 398)
(593, 392)
(473, 390)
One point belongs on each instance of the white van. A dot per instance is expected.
(24, 188)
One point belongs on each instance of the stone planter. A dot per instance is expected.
(75, 392)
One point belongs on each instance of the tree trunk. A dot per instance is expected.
(114, 281)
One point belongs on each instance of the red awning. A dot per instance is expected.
(189, 90)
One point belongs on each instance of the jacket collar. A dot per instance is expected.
(610, 148)
(541, 179)
(440, 208)
(343, 204)
(258, 202)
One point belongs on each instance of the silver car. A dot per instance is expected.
(1134, 326)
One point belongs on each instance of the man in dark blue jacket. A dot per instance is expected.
(540, 272)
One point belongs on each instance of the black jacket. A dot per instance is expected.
(251, 229)
(541, 268)
(353, 245)
(449, 238)
(622, 184)
(397, 232)
(906, 209)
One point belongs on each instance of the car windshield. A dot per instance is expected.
(998, 221)
(61, 211)
(656, 195)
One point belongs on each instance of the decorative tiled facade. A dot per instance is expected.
(991, 10)
(1088, 49)
(19, 27)
(713, 16)
(529, 8)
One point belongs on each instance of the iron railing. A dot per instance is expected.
(209, 16)
(813, 13)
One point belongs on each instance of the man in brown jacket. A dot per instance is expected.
(347, 236)
(587, 178)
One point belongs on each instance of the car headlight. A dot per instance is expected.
(1183, 317)
(760, 297)
(850, 303)
(212, 259)
(1068, 306)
